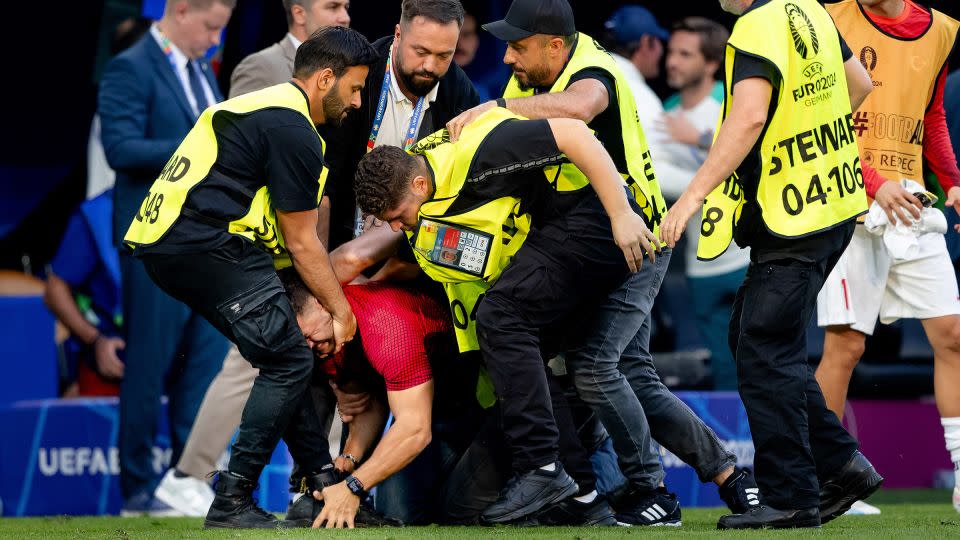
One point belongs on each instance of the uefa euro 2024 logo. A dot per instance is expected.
(805, 39)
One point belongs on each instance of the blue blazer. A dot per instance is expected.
(144, 114)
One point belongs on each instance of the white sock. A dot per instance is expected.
(951, 434)
(588, 498)
(551, 467)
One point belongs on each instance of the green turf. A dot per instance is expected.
(921, 514)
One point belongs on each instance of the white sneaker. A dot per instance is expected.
(188, 495)
(956, 498)
(861, 508)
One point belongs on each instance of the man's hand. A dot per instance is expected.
(350, 404)
(675, 222)
(680, 129)
(340, 507)
(953, 199)
(343, 465)
(633, 237)
(105, 352)
(898, 203)
(455, 126)
(317, 327)
(344, 327)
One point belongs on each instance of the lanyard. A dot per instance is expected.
(411, 134)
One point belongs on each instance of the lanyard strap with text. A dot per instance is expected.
(411, 133)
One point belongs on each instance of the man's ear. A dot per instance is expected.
(298, 14)
(396, 33)
(420, 185)
(325, 79)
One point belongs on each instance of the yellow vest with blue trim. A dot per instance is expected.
(810, 175)
(640, 176)
(191, 164)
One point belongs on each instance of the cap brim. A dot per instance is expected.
(505, 31)
(662, 34)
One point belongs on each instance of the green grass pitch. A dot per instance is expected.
(921, 514)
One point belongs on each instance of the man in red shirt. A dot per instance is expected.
(900, 127)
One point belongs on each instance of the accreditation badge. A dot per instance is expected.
(454, 246)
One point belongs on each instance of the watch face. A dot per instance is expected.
(355, 486)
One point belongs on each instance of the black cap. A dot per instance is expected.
(526, 18)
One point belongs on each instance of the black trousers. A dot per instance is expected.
(237, 290)
(796, 437)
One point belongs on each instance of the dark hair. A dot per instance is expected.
(296, 289)
(382, 179)
(440, 11)
(713, 36)
(334, 47)
(202, 5)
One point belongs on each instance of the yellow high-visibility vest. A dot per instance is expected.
(810, 177)
(192, 163)
(639, 175)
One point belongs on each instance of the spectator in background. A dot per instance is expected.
(694, 54)
(83, 292)
(219, 414)
(150, 96)
(274, 65)
(468, 43)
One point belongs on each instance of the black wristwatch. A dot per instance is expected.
(356, 487)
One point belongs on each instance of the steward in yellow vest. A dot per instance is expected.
(784, 177)
(572, 76)
(242, 189)
(468, 205)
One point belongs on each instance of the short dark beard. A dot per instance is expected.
(333, 108)
(415, 87)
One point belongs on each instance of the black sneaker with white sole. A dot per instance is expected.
(651, 508)
(527, 493)
(740, 491)
(571, 512)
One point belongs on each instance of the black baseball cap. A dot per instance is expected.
(526, 18)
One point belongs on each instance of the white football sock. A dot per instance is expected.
(951, 434)
(551, 467)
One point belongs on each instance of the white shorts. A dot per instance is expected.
(867, 283)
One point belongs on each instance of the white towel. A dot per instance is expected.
(901, 240)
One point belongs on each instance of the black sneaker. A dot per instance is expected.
(650, 508)
(740, 491)
(303, 509)
(571, 512)
(234, 508)
(854, 482)
(529, 492)
(766, 517)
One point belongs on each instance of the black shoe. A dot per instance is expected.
(529, 492)
(571, 512)
(740, 491)
(303, 509)
(766, 517)
(649, 508)
(234, 507)
(854, 482)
